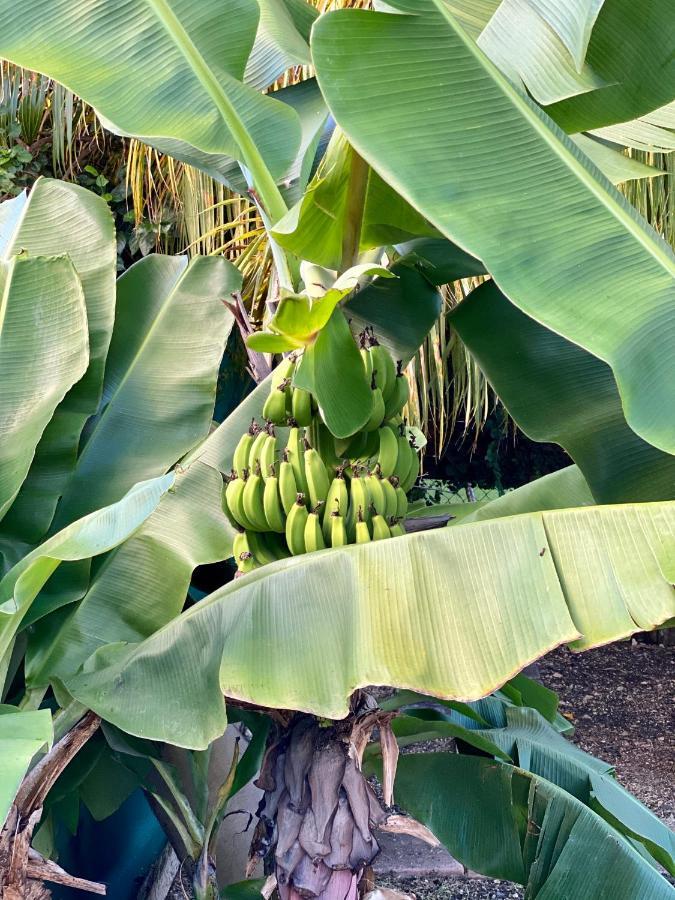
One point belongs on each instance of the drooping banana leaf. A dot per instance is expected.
(572, 21)
(55, 219)
(453, 613)
(43, 352)
(536, 746)
(509, 823)
(142, 584)
(22, 735)
(556, 391)
(95, 533)
(282, 40)
(559, 240)
(615, 165)
(170, 70)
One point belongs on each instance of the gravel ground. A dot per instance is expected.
(620, 699)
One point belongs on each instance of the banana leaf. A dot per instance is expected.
(173, 71)
(452, 613)
(509, 823)
(556, 391)
(43, 352)
(430, 113)
(22, 735)
(89, 536)
(55, 219)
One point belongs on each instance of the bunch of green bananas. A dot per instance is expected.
(317, 491)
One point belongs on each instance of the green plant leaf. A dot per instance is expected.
(556, 391)
(411, 730)
(87, 537)
(59, 218)
(43, 352)
(616, 166)
(453, 613)
(22, 735)
(508, 823)
(639, 134)
(159, 392)
(171, 70)
(564, 489)
(188, 529)
(314, 228)
(332, 369)
(536, 746)
(282, 40)
(572, 22)
(621, 40)
(564, 250)
(523, 45)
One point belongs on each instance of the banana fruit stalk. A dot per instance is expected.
(317, 491)
(317, 815)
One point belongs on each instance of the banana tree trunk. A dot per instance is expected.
(318, 812)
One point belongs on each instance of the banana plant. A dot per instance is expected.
(440, 167)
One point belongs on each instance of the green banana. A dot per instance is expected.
(390, 498)
(377, 410)
(243, 449)
(260, 549)
(337, 500)
(338, 532)
(256, 449)
(376, 493)
(316, 476)
(362, 530)
(301, 406)
(234, 497)
(313, 533)
(288, 487)
(401, 499)
(380, 528)
(404, 459)
(387, 456)
(253, 501)
(295, 526)
(364, 347)
(274, 409)
(268, 453)
(399, 395)
(294, 447)
(244, 558)
(284, 371)
(274, 511)
(396, 528)
(359, 500)
(383, 364)
(411, 478)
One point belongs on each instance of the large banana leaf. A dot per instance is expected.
(142, 584)
(524, 46)
(556, 391)
(94, 534)
(43, 352)
(453, 613)
(22, 735)
(159, 392)
(510, 823)
(572, 21)
(633, 53)
(531, 741)
(282, 40)
(422, 104)
(59, 218)
(169, 70)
